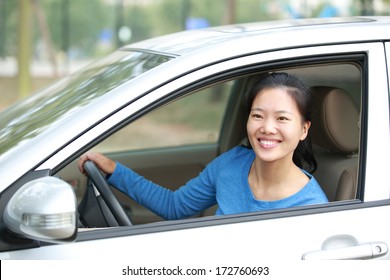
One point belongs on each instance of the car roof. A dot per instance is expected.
(292, 32)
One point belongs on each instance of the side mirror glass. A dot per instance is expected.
(43, 209)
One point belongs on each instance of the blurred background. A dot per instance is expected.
(44, 40)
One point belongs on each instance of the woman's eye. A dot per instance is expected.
(282, 119)
(257, 116)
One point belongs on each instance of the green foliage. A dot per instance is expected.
(137, 18)
(88, 18)
(8, 27)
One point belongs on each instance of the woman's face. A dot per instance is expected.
(275, 125)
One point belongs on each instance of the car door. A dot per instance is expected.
(352, 229)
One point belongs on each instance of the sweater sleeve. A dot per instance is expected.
(197, 195)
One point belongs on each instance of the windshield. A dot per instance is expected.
(31, 116)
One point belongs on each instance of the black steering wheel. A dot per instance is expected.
(105, 191)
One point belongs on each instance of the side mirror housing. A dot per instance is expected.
(43, 209)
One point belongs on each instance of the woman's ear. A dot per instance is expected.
(306, 126)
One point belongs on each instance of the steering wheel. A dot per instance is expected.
(112, 202)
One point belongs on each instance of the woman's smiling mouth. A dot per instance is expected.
(268, 143)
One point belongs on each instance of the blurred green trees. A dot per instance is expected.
(81, 27)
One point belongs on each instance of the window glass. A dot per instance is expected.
(32, 116)
(193, 119)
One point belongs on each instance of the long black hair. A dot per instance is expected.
(303, 155)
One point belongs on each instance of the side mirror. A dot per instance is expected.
(43, 209)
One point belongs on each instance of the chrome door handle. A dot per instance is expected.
(346, 247)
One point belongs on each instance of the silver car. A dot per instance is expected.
(168, 106)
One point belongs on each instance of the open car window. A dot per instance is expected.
(190, 120)
(174, 142)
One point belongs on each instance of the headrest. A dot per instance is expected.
(335, 124)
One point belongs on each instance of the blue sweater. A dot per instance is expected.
(223, 181)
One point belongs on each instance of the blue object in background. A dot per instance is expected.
(196, 23)
(329, 11)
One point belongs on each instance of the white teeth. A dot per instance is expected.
(268, 142)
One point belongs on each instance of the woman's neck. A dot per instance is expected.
(276, 180)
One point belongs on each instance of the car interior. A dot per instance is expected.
(337, 88)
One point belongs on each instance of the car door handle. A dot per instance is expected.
(346, 247)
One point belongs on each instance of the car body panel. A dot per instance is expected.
(277, 239)
(378, 125)
(303, 32)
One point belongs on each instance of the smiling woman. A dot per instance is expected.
(278, 123)
(281, 102)
(274, 180)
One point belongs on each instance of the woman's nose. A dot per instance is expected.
(268, 127)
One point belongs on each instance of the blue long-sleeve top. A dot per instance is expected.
(223, 181)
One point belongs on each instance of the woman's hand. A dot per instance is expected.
(104, 163)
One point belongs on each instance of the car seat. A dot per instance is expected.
(335, 136)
